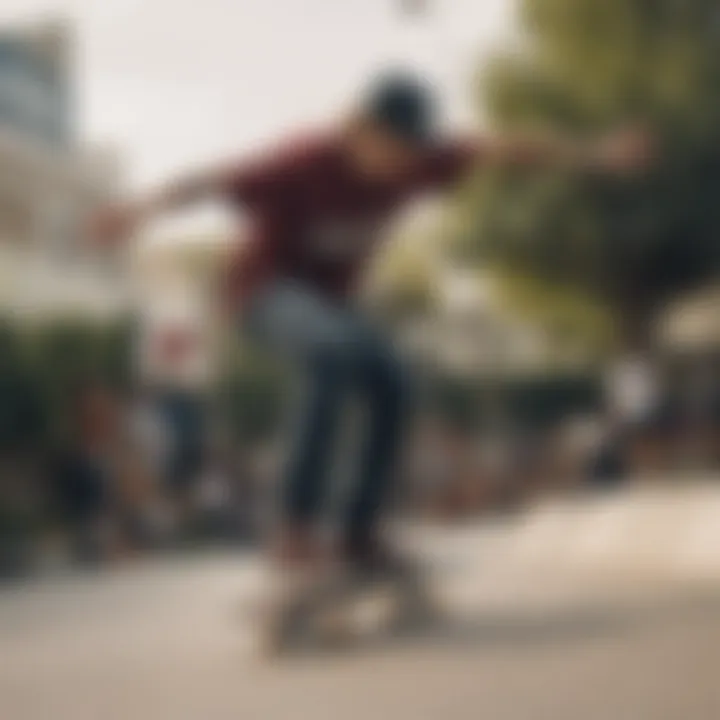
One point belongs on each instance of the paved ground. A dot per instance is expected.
(164, 641)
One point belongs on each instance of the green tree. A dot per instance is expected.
(627, 246)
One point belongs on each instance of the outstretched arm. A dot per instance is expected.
(622, 152)
(249, 183)
(119, 221)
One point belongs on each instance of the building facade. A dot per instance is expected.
(48, 182)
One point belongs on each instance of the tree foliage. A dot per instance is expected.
(627, 245)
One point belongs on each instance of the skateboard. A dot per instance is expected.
(342, 607)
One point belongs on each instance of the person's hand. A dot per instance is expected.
(625, 152)
(114, 224)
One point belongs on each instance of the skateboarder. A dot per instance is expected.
(318, 206)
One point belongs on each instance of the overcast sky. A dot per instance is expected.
(180, 82)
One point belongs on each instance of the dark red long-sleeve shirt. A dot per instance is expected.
(316, 219)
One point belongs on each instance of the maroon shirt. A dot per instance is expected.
(316, 219)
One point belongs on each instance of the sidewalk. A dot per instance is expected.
(164, 641)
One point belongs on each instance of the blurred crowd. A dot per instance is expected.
(135, 471)
(144, 471)
(150, 470)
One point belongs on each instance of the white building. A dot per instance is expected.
(692, 325)
(48, 184)
(469, 333)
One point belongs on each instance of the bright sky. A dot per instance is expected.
(174, 83)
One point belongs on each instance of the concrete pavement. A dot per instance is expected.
(163, 640)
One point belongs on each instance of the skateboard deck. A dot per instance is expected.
(341, 607)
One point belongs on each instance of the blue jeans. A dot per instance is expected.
(338, 354)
